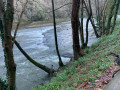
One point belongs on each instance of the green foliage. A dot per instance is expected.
(3, 85)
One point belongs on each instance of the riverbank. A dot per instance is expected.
(93, 71)
(35, 24)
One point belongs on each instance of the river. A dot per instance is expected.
(39, 44)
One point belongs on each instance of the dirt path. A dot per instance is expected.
(114, 84)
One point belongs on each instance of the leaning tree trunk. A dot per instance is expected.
(75, 26)
(55, 35)
(7, 20)
(46, 69)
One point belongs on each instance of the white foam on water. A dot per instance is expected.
(35, 36)
(118, 16)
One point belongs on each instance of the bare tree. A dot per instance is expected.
(87, 22)
(89, 13)
(55, 35)
(91, 20)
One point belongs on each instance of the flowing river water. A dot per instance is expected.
(39, 44)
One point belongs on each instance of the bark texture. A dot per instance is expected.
(110, 17)
(75, 26)
(46, 69)
(7, 20)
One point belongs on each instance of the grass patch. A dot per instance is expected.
(88, 68)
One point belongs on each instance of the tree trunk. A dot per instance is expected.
(99, 15)
(55, 35)
(115, 15)
(75, 25)
(103, 17)
(3, 85)
(7, 20)
(88, 23)
(96, 6)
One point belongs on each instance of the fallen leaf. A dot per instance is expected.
(69, 76)
(97, 80)
(78, 85)
(98, 89)
(84, 84)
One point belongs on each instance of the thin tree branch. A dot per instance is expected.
(19, 20)
(60, 7)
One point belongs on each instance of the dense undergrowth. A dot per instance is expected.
(87, 71)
